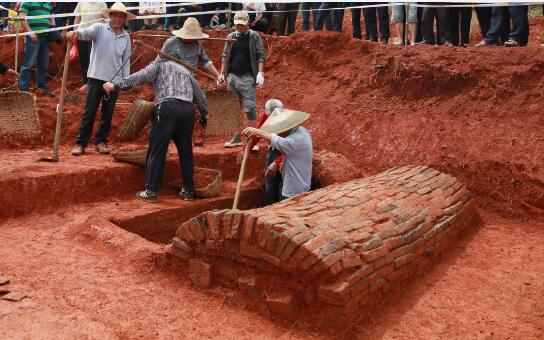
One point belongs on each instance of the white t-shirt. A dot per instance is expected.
(89, 7)
(258, 7)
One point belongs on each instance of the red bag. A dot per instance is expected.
(74, 53)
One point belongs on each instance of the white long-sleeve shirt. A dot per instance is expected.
(297, 151)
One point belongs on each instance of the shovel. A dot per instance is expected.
(60, 107)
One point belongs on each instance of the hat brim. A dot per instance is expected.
(107, 12)
(183, 35)
(282, 120)
(241, 21)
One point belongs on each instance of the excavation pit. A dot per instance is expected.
(159, 225)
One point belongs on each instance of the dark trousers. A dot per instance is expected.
(372, 16)
(64, 7)
(460, 18)
(171, 120)
(306, 15)
(288, 19)
(442, 25)
(272, 185)
(337, 16)
(84, 48)
(95, 94)
(261, 25)
(500, 21)
(484, 18)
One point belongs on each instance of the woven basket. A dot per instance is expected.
(135, 157)
(139, 115)
(211, 189)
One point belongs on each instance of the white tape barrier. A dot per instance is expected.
(153, 16)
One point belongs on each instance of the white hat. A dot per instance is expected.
(190, 30)
(118, 7)
(241, 18)
(282, 120)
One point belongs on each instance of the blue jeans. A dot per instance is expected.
(38, 52)
(306, 15)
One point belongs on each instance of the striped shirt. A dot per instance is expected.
(37, 8)
(170, 81)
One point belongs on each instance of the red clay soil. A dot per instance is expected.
(472, 113)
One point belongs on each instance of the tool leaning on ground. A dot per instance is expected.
(60, 107)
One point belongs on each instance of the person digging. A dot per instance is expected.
(242, 66)
(173, 118)
(284, 133)
(272, 178)
(110, 53)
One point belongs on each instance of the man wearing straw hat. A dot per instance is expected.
(242, 65)
(185, 46)
(283, 131)
(109, 61)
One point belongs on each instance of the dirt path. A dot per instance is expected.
(86, 281)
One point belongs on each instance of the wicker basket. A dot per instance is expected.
(135, 157)
(211, 189)
(139, 115)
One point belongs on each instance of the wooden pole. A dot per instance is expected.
(241, 175)
(164, 36)
(174, 59)
(17, 53)
(60, 106)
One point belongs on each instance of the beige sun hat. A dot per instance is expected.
(190, 30)
(282, 120)
(118, 7)
(241, 18)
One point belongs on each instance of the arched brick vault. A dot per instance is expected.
(341, 245)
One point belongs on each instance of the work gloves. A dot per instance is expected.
(260, 79)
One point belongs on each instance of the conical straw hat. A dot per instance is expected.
(118, 7)
(190, 30)
(282, 120)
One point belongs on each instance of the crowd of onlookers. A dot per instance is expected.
(441, 25)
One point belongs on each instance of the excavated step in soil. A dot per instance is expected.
(29, 186)
(334, 251)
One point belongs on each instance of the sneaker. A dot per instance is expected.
(186, 195)
(78, 150)
(102, 148)
(255, 148)
(235, 141)
(148, 196)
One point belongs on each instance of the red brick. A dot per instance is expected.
(214, 219)
(294, 243)
(184, 231)
(248, 223)
(360, 274)
(402, 250)
(402, 260)
(374, 254)
(180, 254)
(200, 273)
(336, 293)
(176, 242)
(382, 261)
(236, 225)
(393, 243)
(372, 244)
(350, 259)
(282, 305)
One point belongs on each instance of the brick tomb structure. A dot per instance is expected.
(331, 252)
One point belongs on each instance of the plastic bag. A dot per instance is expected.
(74, 53)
